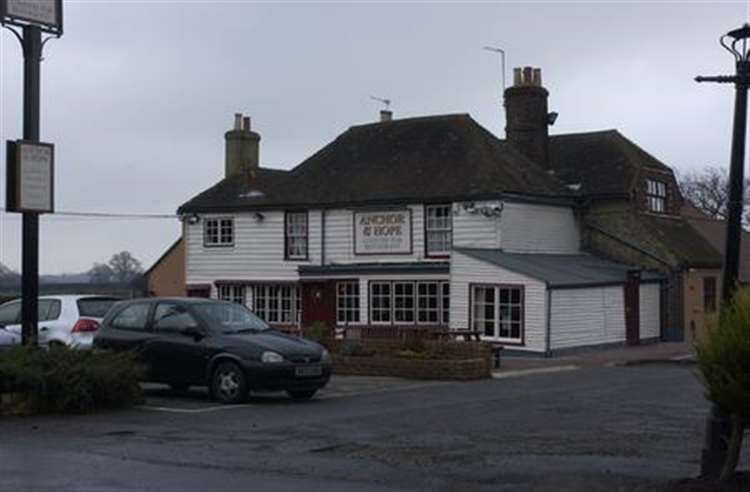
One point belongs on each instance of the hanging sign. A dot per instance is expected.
(46, 14)
(31, 177)
(382, 232)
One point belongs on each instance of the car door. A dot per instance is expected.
(129, 329)
(178, 357)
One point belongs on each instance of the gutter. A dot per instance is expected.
(548, 325)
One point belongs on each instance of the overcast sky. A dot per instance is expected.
(137, 95)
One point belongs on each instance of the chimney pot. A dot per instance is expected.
(246, 123)
(517, 77)
(537, 77)
(527, 76)
(237, 121)
(386, 115)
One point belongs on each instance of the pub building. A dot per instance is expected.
(435, 223)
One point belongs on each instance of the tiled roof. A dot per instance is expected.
(428, 159)
(603, 162)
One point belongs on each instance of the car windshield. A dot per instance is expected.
(228, 317)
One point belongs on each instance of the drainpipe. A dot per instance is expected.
(547, 327)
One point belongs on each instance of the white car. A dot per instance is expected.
(70, 320)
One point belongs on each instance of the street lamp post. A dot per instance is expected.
(736, 42)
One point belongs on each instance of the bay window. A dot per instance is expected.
(232, 293)
(278, 304)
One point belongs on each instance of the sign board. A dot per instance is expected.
(31, 176)
(47, 14)
(382, 232)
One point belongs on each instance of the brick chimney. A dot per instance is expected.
(526, 114)
(242, 148)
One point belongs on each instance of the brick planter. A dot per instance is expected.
(463, 362)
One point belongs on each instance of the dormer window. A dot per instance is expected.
(656, 196)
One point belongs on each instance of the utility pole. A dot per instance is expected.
(736, 42)
(30, 186)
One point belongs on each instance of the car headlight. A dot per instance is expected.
(325, 357)
(271, 357)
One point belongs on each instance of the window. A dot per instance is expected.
(399, 302)
(232, 293)
(446, 302)
(218, 232)
(497, 311)
(172, 318)
(277, 304)
(438, 230)
(133, 317)
(347, 302)
(10, 314)
(95, 307)
(296, 235)
(656, 195)
(709, 294)
(403, 302)
(49, 309)
(380, 302)
(429, 302)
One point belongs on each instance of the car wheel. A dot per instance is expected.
(228, 383)
(302, 395)
(179, 387)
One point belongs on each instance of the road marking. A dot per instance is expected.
(193, 410)
(528, 372)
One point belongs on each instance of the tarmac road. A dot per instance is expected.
(590, 429)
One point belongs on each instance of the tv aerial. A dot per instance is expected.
(386, 102)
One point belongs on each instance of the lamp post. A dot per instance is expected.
(737, 43)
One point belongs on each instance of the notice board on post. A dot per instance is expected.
(30, 185)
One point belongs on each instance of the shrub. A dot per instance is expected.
(724, 362)
(71, 381)
(318, 332)
(351, 348)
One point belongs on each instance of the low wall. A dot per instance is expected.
(461, 361)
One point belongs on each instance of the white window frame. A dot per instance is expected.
(218, 232)
(656, 196)
(277, 304)
(406, 314)
(441, 226)
(395, 316)
(297, 233)
(498, 323)
(347, 302)
(231, 292)
(373, 309)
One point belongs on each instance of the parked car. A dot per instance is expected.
(202, 342)
(69, 320)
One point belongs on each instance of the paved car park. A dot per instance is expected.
(602, 428)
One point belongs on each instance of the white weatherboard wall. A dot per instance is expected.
(466, 271)
(474, 230)
(527, 228)
(587, 316)
(257, 254)
(650, 315)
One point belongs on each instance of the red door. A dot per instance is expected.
(633, 308)
(319, 303)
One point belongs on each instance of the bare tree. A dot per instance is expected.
(707, 191)
(122, 267)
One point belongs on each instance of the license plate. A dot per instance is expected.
(308, 371)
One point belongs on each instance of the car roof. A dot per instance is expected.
(68, 298)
